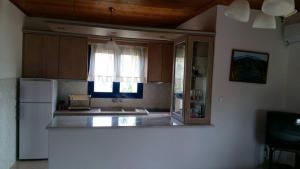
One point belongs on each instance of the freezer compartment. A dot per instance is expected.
(33, 136)
(38, 90)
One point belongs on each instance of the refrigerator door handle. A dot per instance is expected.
(21, 115)
(21, 111)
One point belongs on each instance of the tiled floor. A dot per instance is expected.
(31, 165)
(44, 165)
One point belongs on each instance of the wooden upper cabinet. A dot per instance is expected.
(167, 63)
(192, 89)
(160, 62)
(32, 56)
(53, 56)
(73, 58)
(154, 62)
(40, 56)
(50, 56)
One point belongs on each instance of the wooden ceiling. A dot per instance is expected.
(151, 13)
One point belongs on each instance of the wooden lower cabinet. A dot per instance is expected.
(73, 58)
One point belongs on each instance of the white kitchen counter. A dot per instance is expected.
(124, 142)
(98, 111)
(88, 121)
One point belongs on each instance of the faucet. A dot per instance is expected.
(116, 100)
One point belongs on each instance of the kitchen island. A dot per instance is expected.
(106, 121)
(122, 142)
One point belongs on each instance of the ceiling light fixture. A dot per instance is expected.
(264, 21)
(278, 7)
(239, 10)
(112, 45)
(291, 14)
(111, 10)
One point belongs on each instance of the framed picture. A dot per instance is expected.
(248, 66)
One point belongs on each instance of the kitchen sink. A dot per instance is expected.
(118, 109)
(110, 109)
(123, 111)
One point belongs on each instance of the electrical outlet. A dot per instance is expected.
(298, 122)
(221, 99)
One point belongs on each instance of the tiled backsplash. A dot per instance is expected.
(8, 94)
(155, 95)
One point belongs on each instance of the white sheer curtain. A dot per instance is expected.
(124, 65)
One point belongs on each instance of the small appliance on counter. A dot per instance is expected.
(79, 102)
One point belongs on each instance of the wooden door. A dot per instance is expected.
(50, 54)
(73, 58)
(167, 63)
(154, 62)
(32, 56)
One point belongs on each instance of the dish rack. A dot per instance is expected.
(79, 102)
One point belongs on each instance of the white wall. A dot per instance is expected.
(11, 21)
(239, 113)
(239, 118)
(293, 82)
(204, 22)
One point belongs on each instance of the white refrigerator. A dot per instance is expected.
(37, 104)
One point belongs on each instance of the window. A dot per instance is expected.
(128, 87)
(116, 73)
(102, 121)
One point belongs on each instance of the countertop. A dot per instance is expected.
(96, 112)
(87, 121)
(104, 111)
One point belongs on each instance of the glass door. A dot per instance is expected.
(178, 81)
(199, 72)
(198, 91)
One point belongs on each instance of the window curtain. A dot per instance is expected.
(125, 64)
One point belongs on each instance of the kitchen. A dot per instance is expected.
(108, 81)
(99, 94)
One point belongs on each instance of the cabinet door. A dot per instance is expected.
(50, 56)
(73, 58)
(167, 63)
(154, 62)
(199, 80)
(33, 135)
(179, 80)
(32, 55)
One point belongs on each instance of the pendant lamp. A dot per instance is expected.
(239, 10)
(264, 21)
(112, 45)
(278, 7)
(291, 14)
